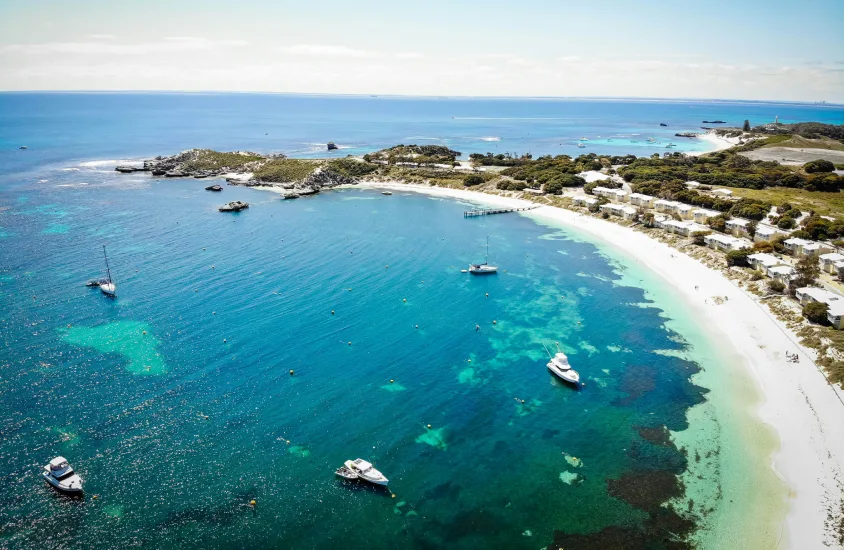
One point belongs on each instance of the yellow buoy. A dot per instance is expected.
(404, 300)
(224, 340)
(332, 312)
(469, 360)
(214, 313)
(350, 343)
(291, 372)
(486, 294)
(212, 267)
(416, 326)
(95, 497)
(494, 321)
(428, 426)
(387, 266)
(252, 502)
(287, 441)
(392, 495)
(391, 380)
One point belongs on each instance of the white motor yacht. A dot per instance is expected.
(60, 475)
(366, 471)
(559, 366)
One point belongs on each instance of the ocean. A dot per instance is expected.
(176, 403)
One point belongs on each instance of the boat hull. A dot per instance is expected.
(61, 487)
(569, 379)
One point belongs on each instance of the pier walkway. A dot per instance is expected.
(491, 211)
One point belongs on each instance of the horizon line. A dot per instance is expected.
(438, 96)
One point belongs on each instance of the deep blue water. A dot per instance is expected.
(73, 126)
(175, 401)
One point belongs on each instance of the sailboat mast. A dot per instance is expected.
(108, 271)
(487, 251)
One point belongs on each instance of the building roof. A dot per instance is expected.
(765, 259)
(796, 240)
(835, 304)
(641, 196)
(737, 221)
(706, 212)
(832, 257)
(781, 269)
(815, 246)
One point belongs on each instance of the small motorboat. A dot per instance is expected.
(365, 471)
(559, 366)
(215, 188)
(23, 147)
(61, 476)
(96, 282)
(346, 473)
(386, 193)
(330, 146)
(583, 139)
(581, 146)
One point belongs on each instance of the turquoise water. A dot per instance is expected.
(175, 401)
(175, 404)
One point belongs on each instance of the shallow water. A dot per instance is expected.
(175, 403)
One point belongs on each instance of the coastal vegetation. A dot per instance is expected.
(215, 161)
(419, 155)
(286, 170)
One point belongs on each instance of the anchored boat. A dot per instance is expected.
(364, 470)
(485, 268)
(61, 476)
(559, 366)
(107, 286)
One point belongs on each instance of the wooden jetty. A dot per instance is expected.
(491, 211)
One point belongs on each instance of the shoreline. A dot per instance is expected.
(796, 401)
(718, 143)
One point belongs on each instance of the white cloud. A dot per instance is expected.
(329, 51)
(169, 44)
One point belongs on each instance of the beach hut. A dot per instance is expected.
(738, 227)
(835, 304)
(761, 262)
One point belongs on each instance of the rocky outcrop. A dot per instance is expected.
(215, 188)
(124, 169)
(234, 206)
(203, 163)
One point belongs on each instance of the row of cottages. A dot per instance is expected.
(682, 228)
(772, 266)
(615, 195)
(726, 243)
(800, 247)
(703, 215)
(767, 233)
(685, 211)
(584, 200)
(833, 263)
(627, 212)
(835, 305)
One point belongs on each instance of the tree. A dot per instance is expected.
(473, 179)
(717, 223)
(763, 247)
(737, 258)
(698, 238)
(816, 312)
(819, 165)
(746, 126)
(806, 271)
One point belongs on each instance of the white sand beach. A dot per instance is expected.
(716, 143)
(805, 412)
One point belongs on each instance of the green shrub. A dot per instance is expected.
(816, 312)
(819, 165)
(737, 258)
(473, 179)
(776, 286)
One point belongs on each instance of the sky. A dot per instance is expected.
(740, 49)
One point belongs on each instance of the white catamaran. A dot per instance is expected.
(485, 268)
(108, 287)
